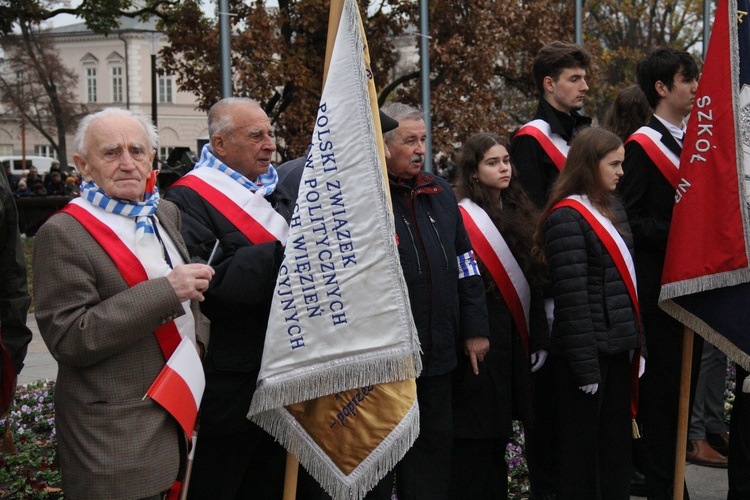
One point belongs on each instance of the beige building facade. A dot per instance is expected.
(115, 71)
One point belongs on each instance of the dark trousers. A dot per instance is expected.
(659, 400)
(594, 432)
(425, 470)
(249, 464)
(739, 442)
(479, 470)
(540, 435)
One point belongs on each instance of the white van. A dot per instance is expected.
(42, 164)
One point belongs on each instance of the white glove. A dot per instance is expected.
(590, 388)
(538, 358)
(641, 366)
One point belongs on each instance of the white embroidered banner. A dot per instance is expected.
(340, 322)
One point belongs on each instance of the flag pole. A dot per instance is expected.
(189, 466)
(682, 416)
(291, 470)
(334, 17)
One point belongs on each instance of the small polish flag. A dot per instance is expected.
(179, 386)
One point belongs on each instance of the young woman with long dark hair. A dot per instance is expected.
(500, 221)
(595, 345)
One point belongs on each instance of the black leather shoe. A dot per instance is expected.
(638, 484)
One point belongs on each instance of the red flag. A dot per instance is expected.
(706, 277)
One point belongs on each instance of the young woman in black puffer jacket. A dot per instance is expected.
(586, 242)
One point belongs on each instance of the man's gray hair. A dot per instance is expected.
(219, 120)
(399, 112)
(82, 132)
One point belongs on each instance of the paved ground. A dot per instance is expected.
(704, 483)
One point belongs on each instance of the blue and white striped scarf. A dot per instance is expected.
(266, 182)
(148, 248)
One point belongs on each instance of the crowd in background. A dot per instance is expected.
(56, 182)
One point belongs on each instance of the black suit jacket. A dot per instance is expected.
(649, 198)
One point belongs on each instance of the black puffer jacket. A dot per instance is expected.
(431, 235)
(593, 311)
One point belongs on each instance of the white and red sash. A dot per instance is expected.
(665, 160)
(553, 144)
(180, 395)
(493, 251)
(249, 211)
(618, 250)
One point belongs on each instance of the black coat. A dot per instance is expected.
(593, 310)
(431, 236)
(649, 198)
(485, 405)
(14, 290)
(535, 168)
(237, 302)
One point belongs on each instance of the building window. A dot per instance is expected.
(165, 151)
(91, 84)
(165, 89)
(116, 74)
(44, 150)
(6, 149)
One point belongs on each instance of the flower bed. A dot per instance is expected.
(30, 472)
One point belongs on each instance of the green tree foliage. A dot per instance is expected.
(277, 57)
(620, 32)
(481, 52)
(101, 16)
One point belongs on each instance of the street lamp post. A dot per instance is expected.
(22, 101)
(155, 36)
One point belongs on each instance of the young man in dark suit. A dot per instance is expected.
(669, 79)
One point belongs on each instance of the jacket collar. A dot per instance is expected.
(420, 183)
(562, 124)
(666, 136)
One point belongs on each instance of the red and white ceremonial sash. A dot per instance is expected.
(665, 160)
(179, 386)
(253, 215)
(491, 248)
(618, 250)
(553, 144)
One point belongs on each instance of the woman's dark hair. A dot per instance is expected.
(581, 175)
(513, 213)
(629, 112)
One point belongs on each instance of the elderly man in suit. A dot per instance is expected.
(113, 288)
(233, 195)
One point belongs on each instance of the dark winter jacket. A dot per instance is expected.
(593, 310)
(649, 198)
(237, 302)
(485, 405)
(431, 235)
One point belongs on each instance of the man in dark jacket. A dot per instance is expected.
(538, 152)
(669, 79)
(14, 296)
(447, 301)
(234, 458)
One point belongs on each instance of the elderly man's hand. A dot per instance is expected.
(190, 280)
(476, 348)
